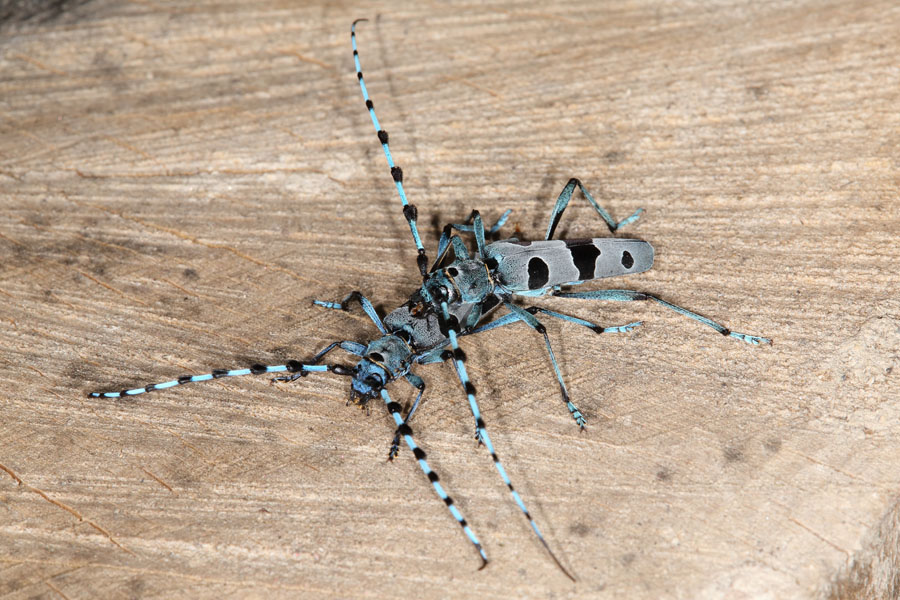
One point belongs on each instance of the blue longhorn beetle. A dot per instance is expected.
(454, 299)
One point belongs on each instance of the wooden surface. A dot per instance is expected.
(179, 181)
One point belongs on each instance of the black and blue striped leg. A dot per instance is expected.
(451, 327)
(416, 382)
(459, 248)
(406, 433)
(474, 224)
(469, 227)
(409, 210)
(354, 348)
(563, 201)
(514, 317)
(292, 366)
(632, 296)
(345, 306)
(530, 320)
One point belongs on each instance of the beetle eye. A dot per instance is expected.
(373, 380)
(452, 272)
(376, 356)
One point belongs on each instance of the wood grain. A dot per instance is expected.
(180, 180)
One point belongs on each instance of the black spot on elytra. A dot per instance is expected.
(585, 259)
(664, 474)
(627, 259)
(538, 273)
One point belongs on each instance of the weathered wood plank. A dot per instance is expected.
(179, 180)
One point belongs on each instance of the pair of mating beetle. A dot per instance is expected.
(454, 299)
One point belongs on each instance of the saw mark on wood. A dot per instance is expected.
(473, 85)
(186, 326)
(543, 16)
(136, 150)
(184, 236)
(111, 288)
(35, 62)
(62, 301)
(11, 122)
(64, 507)
(194, 173)
(9, 239)
(308, 59)
(187, 444)
(833, 468)
(56, 589)
(36, 370)
(183, 289)
(818, 535)
(159, 481)
(305, 587)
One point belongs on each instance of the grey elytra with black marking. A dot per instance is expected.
(457, 294)
(528, 266)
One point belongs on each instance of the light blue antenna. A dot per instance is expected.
(297, 370)
(409, 210)
(406, 432)
(482, 435)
